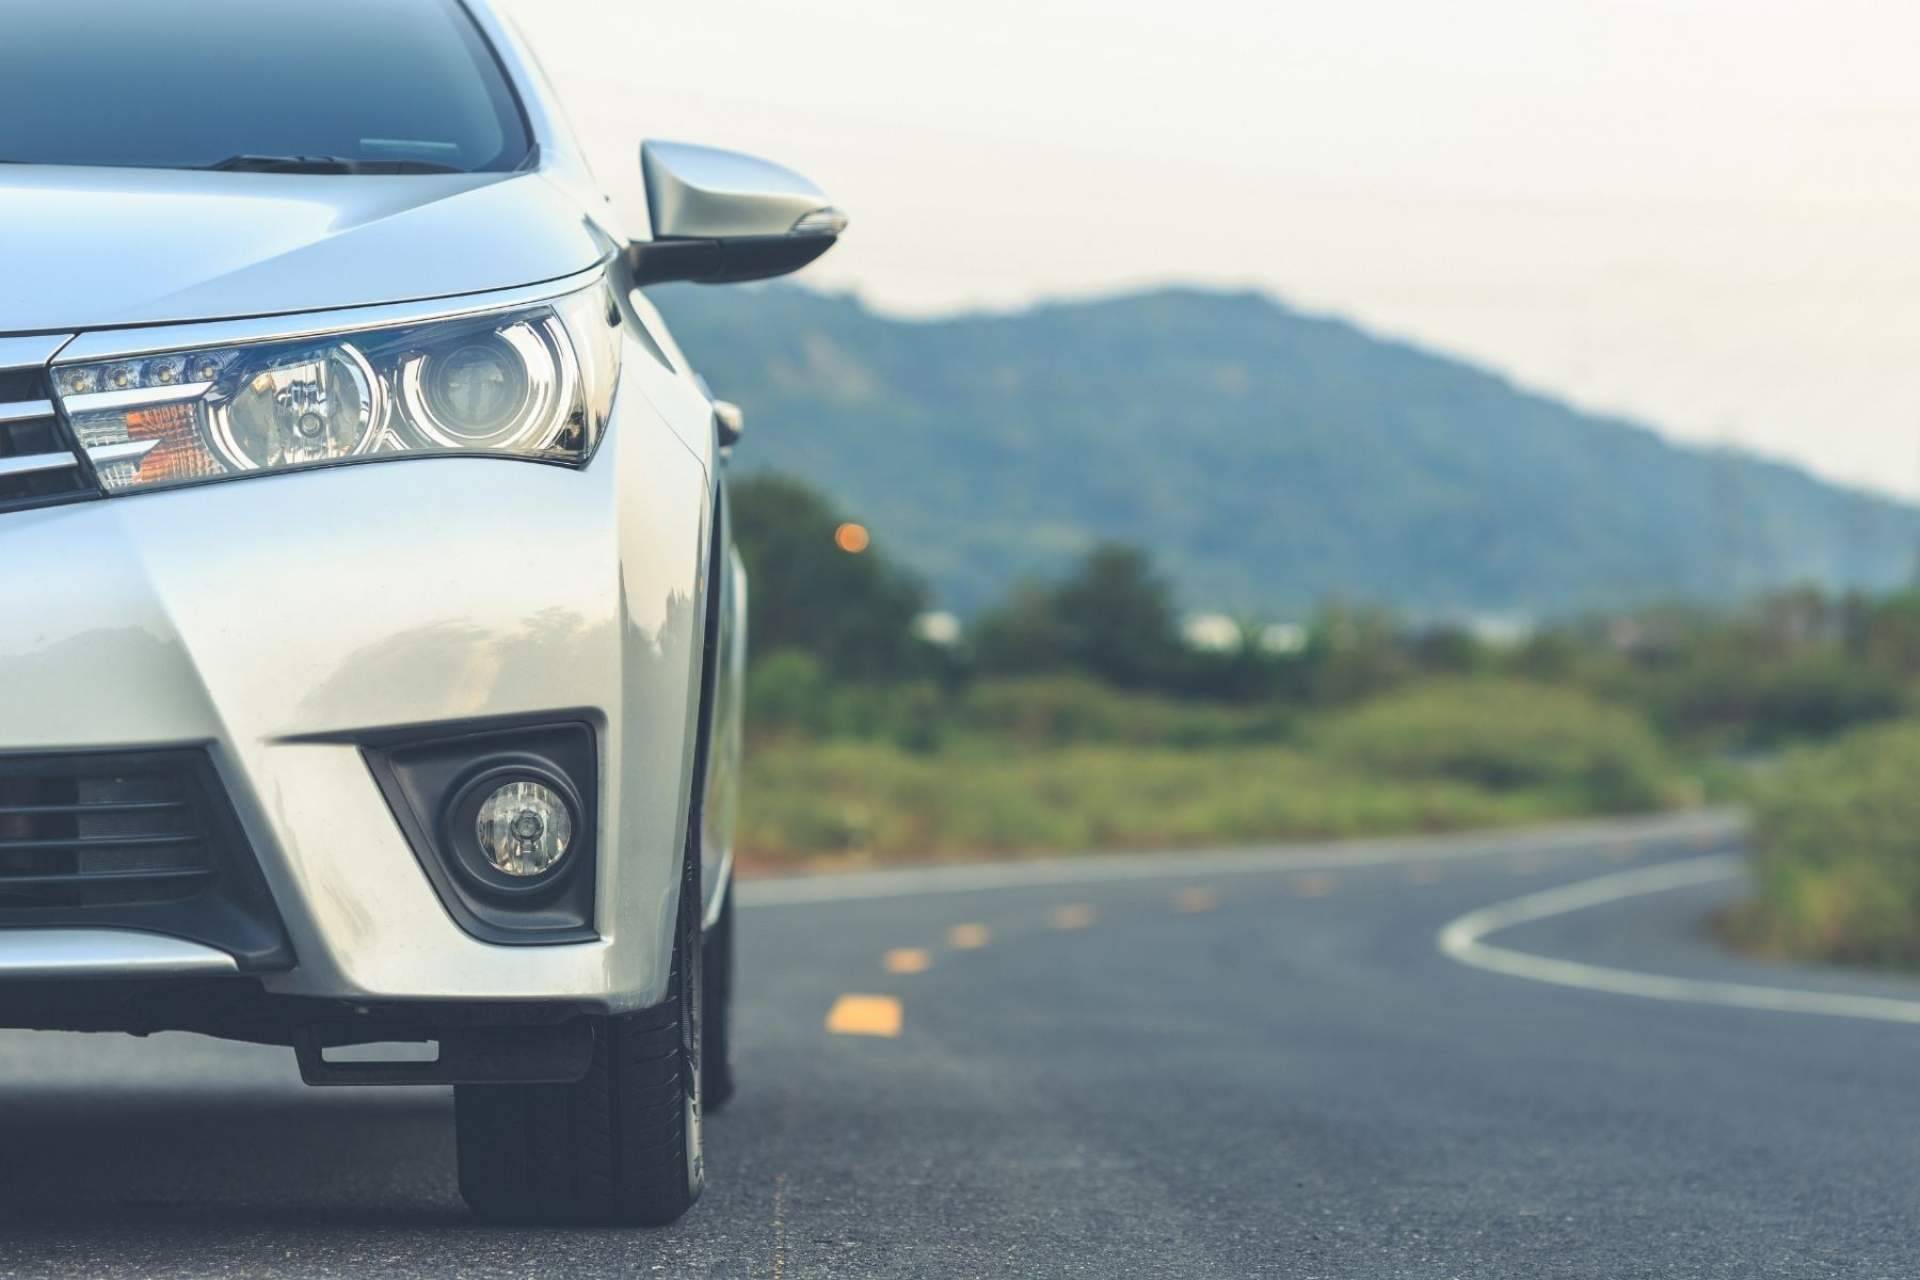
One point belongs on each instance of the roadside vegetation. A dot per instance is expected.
(1836, 836)
(1038, 764)
(1082, 714)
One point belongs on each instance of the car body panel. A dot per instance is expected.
(283, 619)
(720, 789)
(104, 953)
(283, 622)
(211, 246)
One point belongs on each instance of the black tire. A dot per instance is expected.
(716, 1049)
(623, 1144)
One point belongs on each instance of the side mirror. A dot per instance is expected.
(729, 423)
(720, 217)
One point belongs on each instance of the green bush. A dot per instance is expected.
(1748, 700)
(858, 802)
(1836, 838)
(1063, 710)
(1061, 763)
(1506, 735)
(789, 694)
(788, 691)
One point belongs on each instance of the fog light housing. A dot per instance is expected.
(524, 828)
(502, 819)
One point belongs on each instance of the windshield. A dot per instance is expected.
(375, 84)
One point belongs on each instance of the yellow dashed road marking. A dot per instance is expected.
(1423, 873)
(1525, 865)
(968, 937)
(864, 1016)
(1313, 886)
(1195, 900)
(908, 960)
(1074, 915)
(779, 1226)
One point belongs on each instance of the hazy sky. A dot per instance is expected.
(1704, 213)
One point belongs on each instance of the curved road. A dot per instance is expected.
(1414, 1059)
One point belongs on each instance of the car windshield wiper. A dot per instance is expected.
(325, 164)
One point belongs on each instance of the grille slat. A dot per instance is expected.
(25, 411)
(84, 878)
(83, 832)
(83, 844)
(39, 465)
(97, 807)
(145, 840)
(28, 464)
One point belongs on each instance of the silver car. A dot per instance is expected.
(371, 656)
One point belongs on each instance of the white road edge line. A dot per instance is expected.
(1708, 825)
(1464, 940)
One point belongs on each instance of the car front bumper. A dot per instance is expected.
(280, 623)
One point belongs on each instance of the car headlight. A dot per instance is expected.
(532, 382)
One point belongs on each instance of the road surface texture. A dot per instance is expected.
(1306, 1063)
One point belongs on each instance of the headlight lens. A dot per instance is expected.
(319, 408)
(533, 382)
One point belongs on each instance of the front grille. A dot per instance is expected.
(135, 840)
(38, 464)
(87, 833)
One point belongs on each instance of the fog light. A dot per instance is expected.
(524, 828)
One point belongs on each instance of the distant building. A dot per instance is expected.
(1218, 633)
(938, 628)
(1212, 633)
(1282, 639)
(1501, 631)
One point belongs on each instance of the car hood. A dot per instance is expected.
(88, 248)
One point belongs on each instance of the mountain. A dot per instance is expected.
(1267, 459)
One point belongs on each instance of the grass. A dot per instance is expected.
(1507, 736)
(1039, 768)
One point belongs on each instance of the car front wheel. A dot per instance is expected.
(716, 1032)
(620, 1145)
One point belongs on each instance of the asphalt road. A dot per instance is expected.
(1220, 1066)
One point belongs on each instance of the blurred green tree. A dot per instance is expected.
(1448, 649)
(818, 584)
(1112, 617)
(1354, 653)
(1888, 633)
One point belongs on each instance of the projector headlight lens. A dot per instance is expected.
(487, 393)
(524, 829)
(533, 382)
(479, 388)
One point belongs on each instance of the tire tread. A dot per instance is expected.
(611, 1147)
